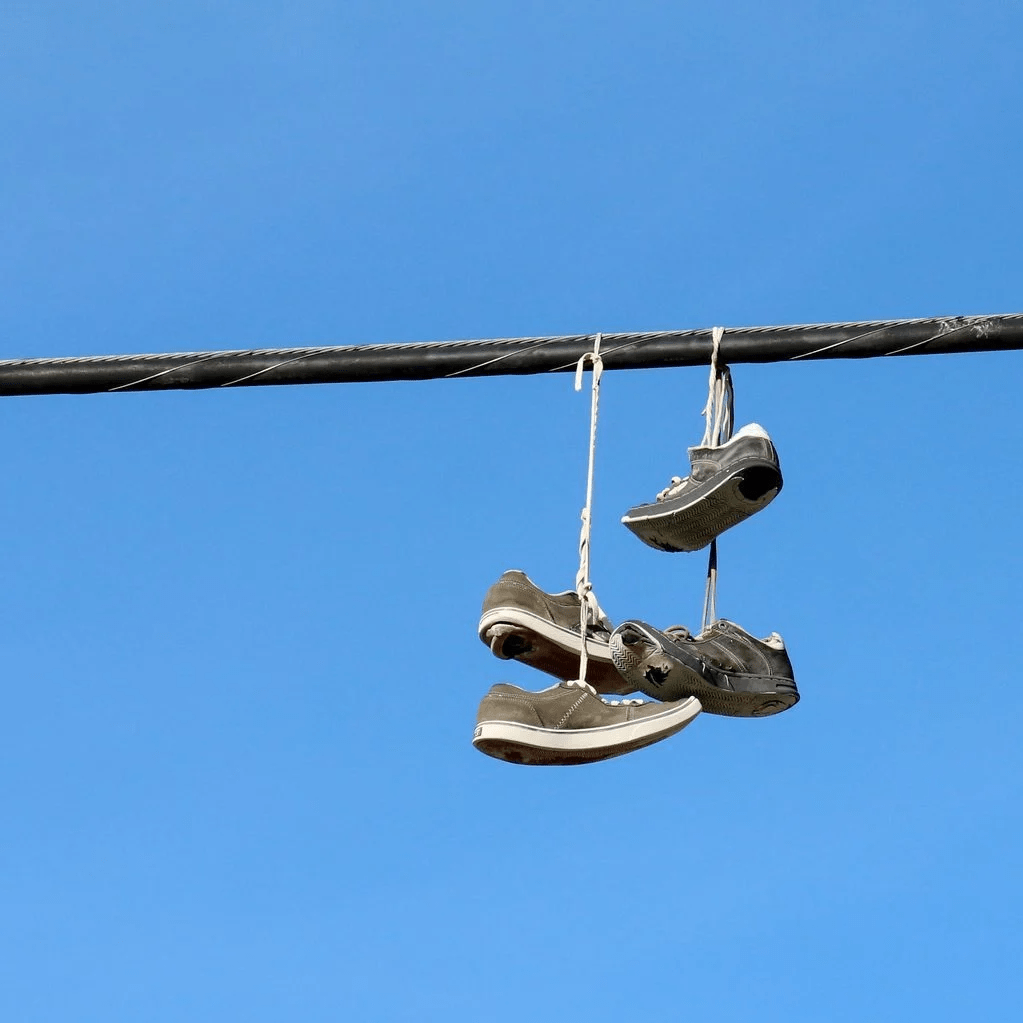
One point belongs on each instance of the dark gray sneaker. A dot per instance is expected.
(523, 623)
(725, 485)
(726, 668)
(570, 724)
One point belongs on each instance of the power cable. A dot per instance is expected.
(506, 356)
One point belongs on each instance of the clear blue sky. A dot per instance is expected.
(239, 653)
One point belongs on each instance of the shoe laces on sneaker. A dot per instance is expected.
(723, 625)
(676, 484)
(598, 620)
(580, 684)
(679, 632)
(596, 617)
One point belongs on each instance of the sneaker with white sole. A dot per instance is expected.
(570, 724)
(728, 670)
(726, 485)
(520, 622)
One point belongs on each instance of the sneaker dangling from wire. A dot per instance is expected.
(570, 724)
(520, 622)
(726, 485)
(728, 670)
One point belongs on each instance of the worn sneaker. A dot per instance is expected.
(726, 668)
(570, 724)
(725, 485)
(523, 623)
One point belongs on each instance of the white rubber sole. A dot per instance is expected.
(564, 638)
(529, 744)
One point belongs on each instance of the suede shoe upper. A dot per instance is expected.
(567, 705)
(516, 589)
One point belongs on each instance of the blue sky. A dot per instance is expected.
(240, 668)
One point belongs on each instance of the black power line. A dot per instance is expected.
(506, 356)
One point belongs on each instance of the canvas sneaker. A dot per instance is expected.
(523, 623)
(725, 485)
(570, 724)
(727, 669)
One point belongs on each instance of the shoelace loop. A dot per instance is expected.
(719, 413)
(589, 609)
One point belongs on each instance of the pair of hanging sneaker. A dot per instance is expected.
(723, 670)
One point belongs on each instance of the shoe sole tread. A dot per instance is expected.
(690, 522)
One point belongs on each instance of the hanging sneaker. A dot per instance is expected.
(727, 669)
(725, 485)
(570, 724)
(520, 622)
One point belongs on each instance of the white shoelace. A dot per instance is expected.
(719, 413)
(580, 684)
(676, 482)
(589, 609)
